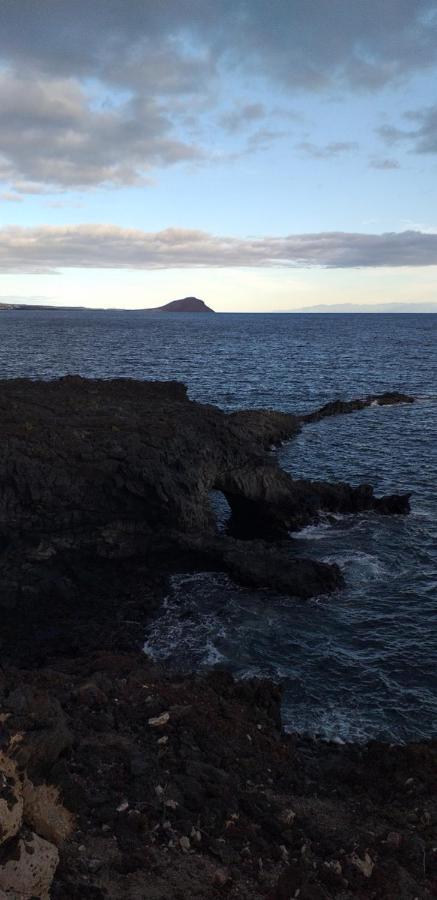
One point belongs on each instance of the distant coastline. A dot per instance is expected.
(184, 305)
(26, 306)
(369, 308)
(193, 305)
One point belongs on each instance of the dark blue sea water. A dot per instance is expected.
(363, 662)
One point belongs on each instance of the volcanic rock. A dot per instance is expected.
(105, 490)
(279, 813)
(342, 407)
(96, 473)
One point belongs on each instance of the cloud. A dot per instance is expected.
(100, 92)
(49, 248)
(424, 136)
(328, 151)
(263, 138)
(384, 164)
(50, 134)
(300, 42)
(421, 133)
(11, 198)
(240, 117)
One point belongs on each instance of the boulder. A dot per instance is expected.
(11, 799)
(29, 871)
(45, 814)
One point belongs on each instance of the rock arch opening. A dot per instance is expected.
(221, 510)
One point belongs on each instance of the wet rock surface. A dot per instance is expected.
(272, 565)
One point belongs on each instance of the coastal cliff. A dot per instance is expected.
(111, 780)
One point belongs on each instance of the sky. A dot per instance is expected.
(263, 155)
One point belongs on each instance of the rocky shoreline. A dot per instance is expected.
(106, 487)
(117, 780)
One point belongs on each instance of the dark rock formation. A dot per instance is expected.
(265, 564)
(341, 407)
(267, 427)
(119, 469)
(112, 470)
(140, 784)
(186, 305)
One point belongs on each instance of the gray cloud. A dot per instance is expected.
(263, 138)
(301, 42)
(420, 134)
(240, 117)
(98, 92)
(424, 136)
(385, 164)
(49, 134)
(49, 248)
(392, 135)
(327, 151)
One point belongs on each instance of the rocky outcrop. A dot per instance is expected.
(94, 471)
(271, 565)
(271, 506)
(117, 780)
(342, 407)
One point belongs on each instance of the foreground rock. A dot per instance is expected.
(33, 824)
(183, 788)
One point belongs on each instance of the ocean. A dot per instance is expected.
(358, 664)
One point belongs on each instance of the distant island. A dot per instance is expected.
(186, 305)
